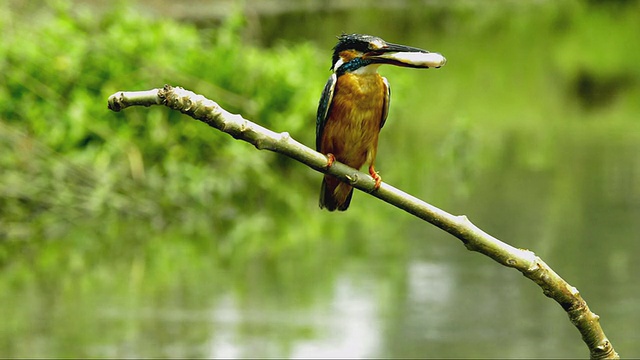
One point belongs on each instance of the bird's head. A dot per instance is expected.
(356, 51)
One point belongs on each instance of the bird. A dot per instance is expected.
(354, 106)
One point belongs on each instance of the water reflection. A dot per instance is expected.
(351, 325)
(347, 325)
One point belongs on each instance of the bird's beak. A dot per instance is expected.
(401, 55)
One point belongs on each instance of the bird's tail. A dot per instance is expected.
(334, 194)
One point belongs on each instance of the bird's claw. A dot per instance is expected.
(330, 160)
(374, 174)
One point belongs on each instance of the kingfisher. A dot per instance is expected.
(354, 107)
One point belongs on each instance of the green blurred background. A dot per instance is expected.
(147, 234)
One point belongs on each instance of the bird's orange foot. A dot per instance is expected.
(330, 160)
(375, 177)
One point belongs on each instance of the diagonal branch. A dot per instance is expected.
(474, 239)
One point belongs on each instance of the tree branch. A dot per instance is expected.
(474, 239)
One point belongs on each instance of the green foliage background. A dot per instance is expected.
(88, 196)
(80, 184)
(68, 162)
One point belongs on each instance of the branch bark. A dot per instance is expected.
(474, 239)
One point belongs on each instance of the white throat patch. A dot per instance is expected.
(367, 70)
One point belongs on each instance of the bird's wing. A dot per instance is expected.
(387, 100)
(324, 107)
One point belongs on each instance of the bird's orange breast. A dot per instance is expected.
(353, 124)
